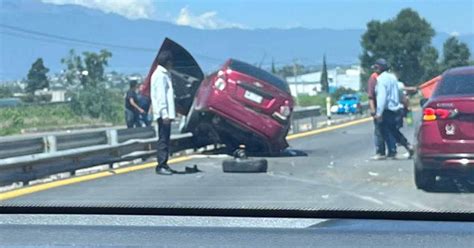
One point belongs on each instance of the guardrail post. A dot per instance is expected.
(50, 146)
(328, 109)
(112, 137)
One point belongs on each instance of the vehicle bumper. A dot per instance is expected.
(453, 164)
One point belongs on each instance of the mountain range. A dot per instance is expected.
(30, 29)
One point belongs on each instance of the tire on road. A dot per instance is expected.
(425, 180)
(245, 165)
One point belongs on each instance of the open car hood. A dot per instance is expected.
(186, 75)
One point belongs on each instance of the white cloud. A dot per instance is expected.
(454, 33)
(132, 9)
(207, 20)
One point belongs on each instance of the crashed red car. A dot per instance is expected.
(239, 104)
(445, 137)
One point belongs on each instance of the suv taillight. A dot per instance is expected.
(431, 114)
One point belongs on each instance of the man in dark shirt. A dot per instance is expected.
(132, 110)
(144, 102)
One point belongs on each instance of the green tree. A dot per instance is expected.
(86, 70)
(402, 41)
(455, 53)
(36, 78)
(273, 67)
(429, 62)
(92, 98)
(74, 69)
(5, 92)
(324, 77)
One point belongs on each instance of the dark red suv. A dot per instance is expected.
(239, 104)
(446, 134)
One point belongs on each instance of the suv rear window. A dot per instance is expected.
(459, 84)
(259, 74)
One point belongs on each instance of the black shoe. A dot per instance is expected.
(160, 170)
(411, 151)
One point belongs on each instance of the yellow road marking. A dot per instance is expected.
(55, 184)
(327, 129)
(73, 180)
(45, 186)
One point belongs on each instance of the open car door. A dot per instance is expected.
(186, 75)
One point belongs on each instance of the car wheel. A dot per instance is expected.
(245, 165)
(424, 180)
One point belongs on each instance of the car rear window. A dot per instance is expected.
(259, 74)
(459, 84)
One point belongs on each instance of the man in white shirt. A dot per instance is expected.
(389, 108)
(163, 108)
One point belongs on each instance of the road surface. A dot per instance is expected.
(336, 174)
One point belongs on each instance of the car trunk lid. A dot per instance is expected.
(186, 75)
(455, 117)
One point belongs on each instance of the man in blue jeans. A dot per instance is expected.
(389, 109)
(380, 147)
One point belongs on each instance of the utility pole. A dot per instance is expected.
(295, 72)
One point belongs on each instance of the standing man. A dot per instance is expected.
(132, 110)
(389, 108)
(144, 102)
(379, 139)
(163, 108)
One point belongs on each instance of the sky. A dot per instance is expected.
(450, 16)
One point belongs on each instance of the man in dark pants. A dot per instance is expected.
(389, 109)
(132, 110)
(163, 107)
(379, 139)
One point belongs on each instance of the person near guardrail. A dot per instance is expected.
(380, 148)
(144, 102)
(132, 110)
(163, 108)
(389, 108)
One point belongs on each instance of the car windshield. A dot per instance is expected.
(349, 98)
(259, 74)
(458, 84)
(254, 105)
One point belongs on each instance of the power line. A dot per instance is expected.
(54, 38)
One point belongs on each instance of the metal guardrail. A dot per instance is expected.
(26, 159)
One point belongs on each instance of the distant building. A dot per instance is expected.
(310, 84)
(57, 95)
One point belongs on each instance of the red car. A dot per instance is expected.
(446, 135)
(239, 104)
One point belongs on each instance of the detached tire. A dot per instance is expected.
(245, 165)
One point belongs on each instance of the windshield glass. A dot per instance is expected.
(349, 98)
(456, 85)
(289, 104)
(259, 74)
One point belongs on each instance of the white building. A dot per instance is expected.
(310, 84)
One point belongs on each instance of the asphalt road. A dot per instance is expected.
(336, 174)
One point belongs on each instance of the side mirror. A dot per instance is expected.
(423, 102)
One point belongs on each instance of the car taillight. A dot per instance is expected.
(220, 82)
(285, 110)
(431, 114)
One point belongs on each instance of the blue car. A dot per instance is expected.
(349, 104)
